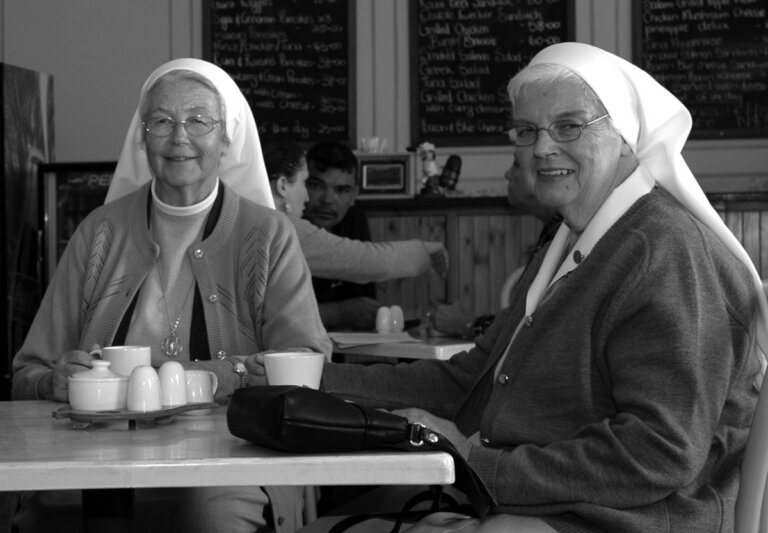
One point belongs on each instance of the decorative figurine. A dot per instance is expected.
(438, 181)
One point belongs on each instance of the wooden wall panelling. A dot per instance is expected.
(414, 295)
(763, 268)
(750, 236)
(485, 245)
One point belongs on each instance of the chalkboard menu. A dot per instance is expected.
(712, 55)
(292, 60)
(464, 52)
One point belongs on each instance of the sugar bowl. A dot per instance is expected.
(98, 389)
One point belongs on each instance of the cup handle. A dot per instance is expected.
(214, 383)
(96, 354)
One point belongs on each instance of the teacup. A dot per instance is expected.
(173, 384)
(294, 368)
(201, 387)
(125, 358)
(144, 390)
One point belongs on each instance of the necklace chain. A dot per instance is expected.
(172, 345)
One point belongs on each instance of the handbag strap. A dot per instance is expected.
(435, 494)
(467, 481)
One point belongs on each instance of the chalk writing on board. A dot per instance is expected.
(713, 55)
(291, 60)
(464, 54)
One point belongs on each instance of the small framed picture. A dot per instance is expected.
(385, 175)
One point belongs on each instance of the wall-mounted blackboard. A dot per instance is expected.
(713, 55)
(463, 54)
(293, 60)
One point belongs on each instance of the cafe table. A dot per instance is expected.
(403, 345)
(39, 452)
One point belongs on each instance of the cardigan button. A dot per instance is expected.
(199, 253)
(280, 520)
(503, 379)
(221, 354)
(485, 441)
(213, 298)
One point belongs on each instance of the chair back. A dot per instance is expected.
(752, 503)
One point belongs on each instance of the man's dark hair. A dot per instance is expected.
(331, 154)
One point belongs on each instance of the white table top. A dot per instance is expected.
(40, 452)
(442, 348)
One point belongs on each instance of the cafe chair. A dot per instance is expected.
(752, 502)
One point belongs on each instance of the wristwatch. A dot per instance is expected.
(241, 371)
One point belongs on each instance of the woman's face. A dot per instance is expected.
(185, 167)
(296, 192)
(574, 177)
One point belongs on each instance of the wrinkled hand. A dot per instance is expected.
(445, 427)
(448, 318)
(439, 256)
(69, 363)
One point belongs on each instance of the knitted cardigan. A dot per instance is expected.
(625, 405)
(254, 282)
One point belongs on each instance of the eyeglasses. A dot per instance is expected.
(561, 131)
(196, 126)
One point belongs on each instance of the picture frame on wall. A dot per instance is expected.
(386, 175)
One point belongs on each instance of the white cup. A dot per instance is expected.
(144, 390)
(173, 384)
(201, 387)
(294, 368)
(125, 358)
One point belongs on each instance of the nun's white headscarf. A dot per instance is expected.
(242, 167)
(656, 125)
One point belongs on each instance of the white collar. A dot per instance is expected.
(186, 210)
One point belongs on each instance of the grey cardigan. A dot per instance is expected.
(626, 404)
(254, 282)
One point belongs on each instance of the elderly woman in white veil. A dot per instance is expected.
(616, 392)
(189, 257)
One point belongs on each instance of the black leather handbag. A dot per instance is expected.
(303, 420)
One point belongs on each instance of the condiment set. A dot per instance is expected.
(145, 390)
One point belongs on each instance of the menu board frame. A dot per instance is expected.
(296, 132)
(492, 138)
(640, 14)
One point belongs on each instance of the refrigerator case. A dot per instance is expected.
(67, 193)
(26, 116)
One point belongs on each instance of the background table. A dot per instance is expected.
(39, 452)
(442, 348)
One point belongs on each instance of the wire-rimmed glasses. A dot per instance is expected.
(196, 126)
(524, 134)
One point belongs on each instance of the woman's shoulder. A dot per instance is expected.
(250, 213)
(670, 229)
(119, 210)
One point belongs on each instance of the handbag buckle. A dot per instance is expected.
(414, 434)
(417, 434)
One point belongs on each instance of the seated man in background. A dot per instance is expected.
(332, 188)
